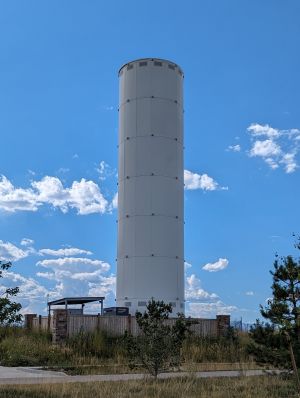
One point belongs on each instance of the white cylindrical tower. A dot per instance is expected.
(150, 259)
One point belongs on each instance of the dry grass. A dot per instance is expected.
(208, 366)
(201, 349)
(92, 353)
(123, 368)
(258, 387)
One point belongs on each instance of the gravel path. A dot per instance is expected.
(30, 375)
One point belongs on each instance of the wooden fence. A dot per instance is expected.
(117, 325)
(63, 325)
(40, 322)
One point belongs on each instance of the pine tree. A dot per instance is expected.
(278, 342)
(283, 310)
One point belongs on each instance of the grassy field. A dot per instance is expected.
(259, 387)
(99, 353)
(19, 347)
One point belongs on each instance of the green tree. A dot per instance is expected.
(9, 309)
(158, 347)
(278, 341)
(283, 310)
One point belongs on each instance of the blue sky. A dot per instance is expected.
(59, 124)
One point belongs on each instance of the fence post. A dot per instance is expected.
(223, 323)
(129, 324)
(60, 326)
(49, 323)
(98, 322)
(28, 323)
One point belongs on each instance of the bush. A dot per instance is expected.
(159, 345)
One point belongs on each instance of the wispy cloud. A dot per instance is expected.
(70, 251)
(105, 171)
(10, 252)
(74, 263)
(234, 148)
(30, 289)
(27, 242)
(108, 108)
(63, 170)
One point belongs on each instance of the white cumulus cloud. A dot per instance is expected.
(13, 199)
(79, 277)
(194, 181)
(276, 147)
(66, 276)
(265, 149)
(202, 304)
(219, 265)
(194, 291)
(207, 310)
(83, 196)
(104, 286)
(187, 265)
(263, 130)
(114, 203)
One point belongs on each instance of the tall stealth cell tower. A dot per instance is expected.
(150, 259)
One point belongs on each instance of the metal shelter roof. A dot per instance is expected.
(75, 300)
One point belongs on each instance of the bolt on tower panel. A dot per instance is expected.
(150, 259)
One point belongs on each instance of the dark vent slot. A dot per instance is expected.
(171, 67)
(127, 303)
(142, 303)
(143, 63)
(129, 67)
(157, 63)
